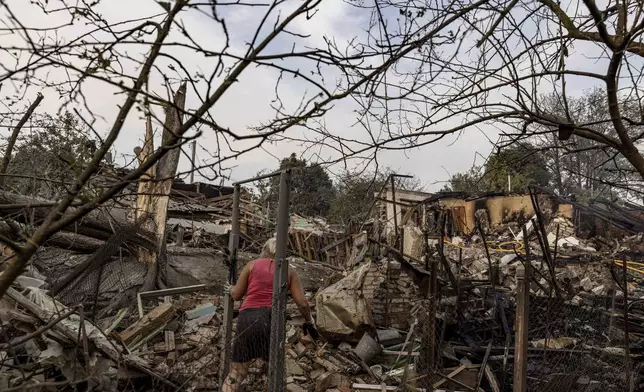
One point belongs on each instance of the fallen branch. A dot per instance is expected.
(71, 331)
(45, 385)
(39, 331)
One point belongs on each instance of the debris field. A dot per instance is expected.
(419, 306)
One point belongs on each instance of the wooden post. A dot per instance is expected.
(233, 244)
(180, 233)
(521, 330)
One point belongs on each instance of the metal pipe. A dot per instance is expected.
(627, 341)
(521, 325)
(382, 188)
(263, 176)
(233, 245)
(393, 205)
(192, 161)
(398, 203)
(521, 336)
(276, 377)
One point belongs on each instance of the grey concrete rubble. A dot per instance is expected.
(385, 324)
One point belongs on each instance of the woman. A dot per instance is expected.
(254, 321)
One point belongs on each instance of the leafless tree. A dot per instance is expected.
(583, 166)
(486, 65)
(424, 70)
(79, 51)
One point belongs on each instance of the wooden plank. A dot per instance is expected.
(491, 379)
(378, 387)
(291, 243)
(300, 250)
(169, 342)
(337, 243)
(119, 317)
(401, 353)
(149, 323)
(450, 375)
(308, 245)
(483, 365)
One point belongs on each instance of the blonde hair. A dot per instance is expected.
(268, 251)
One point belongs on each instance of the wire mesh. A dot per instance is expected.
(576, 342)
(250, 350)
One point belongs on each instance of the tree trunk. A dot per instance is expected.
(155, 187)
(145, 196)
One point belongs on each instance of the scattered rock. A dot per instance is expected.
(292, 367)
(600, 290)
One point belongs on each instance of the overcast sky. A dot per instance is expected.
(247, 103)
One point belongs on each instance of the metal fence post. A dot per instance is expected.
(276, 379)
(233, 244)
(521, 329)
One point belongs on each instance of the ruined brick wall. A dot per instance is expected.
(393, 296)
(498, 208)
(502, 206)
(402, 196)
(468, 223)
(413, 245)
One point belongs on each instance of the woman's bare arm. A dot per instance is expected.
(297, 291)
(239, 289)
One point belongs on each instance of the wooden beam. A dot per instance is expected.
(156, 318)
(450, 375)
(491, 379)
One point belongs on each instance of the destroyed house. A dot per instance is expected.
(493, 209)
(201, 212)
(416, 208)
(601, 216)
(395, 206)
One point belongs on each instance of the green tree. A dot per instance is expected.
(355, 193)
(312, 190)
(522, 162)
(48, 159)
(470, 181)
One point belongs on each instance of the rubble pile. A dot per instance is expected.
(62, 348)
(187, 349)
(386, 321)
(388, 291)
(376, 293)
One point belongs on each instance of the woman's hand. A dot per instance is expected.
(310, 329)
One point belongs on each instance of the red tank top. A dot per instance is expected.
(259, 291)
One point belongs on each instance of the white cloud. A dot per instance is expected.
(248, 101)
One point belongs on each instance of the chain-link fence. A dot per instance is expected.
(576, 344)
(576, 341)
